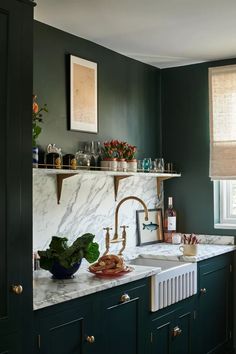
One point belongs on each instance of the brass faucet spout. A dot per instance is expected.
(117, 212)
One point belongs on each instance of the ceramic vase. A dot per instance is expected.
(122, 165)
(132, 165)
(35, 152)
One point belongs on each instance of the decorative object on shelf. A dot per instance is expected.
(83, 95)
(169, 167)
(147, 164)
(53, 160)
(121, 165)
(83, 159)
(130, 152)
(69, 161)
(121, 147)
(62, 260)
(150, 231)
(109, 160)
(35, 151)
(53, 157)
(158, 165)
(37, 118)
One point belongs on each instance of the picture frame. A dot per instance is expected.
(150, 231)
(83, 95)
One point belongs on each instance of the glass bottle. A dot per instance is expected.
(169, 221)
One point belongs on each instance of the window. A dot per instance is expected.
(222, 101)
(225, 204)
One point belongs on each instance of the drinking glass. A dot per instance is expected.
(147, 164)
(95, 151)
(159, 165)
(140, 165)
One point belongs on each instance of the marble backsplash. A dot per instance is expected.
(87, 205)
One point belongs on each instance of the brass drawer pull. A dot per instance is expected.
(176, 331)
(90, 339)
(203, 291)
(17, 289)
(124, 298)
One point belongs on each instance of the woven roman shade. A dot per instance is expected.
(222, 99)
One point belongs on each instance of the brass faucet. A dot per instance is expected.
(115, 237)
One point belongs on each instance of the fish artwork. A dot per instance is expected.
(151, 226)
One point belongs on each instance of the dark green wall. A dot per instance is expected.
(185, 120)
(128, 93)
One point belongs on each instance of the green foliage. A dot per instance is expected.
(67, 256)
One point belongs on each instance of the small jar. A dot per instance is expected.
(132, 165)
(53, 160)
(69, 162)
(122, 165)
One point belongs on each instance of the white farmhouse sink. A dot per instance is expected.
(175, 282)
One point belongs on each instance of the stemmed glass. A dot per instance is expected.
(94, 149)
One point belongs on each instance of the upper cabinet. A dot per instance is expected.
(16, 29)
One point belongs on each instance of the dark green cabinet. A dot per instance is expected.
(16, 26)
(171, 329)
(65, 329)
(124, 316)
(214, 305)
(113, 320)
(119, 320)
(201, 324)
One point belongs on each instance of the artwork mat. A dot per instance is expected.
(145, 236)
(74, 123)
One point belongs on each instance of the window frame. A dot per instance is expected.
(223, 218)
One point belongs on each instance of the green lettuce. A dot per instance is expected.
(67, 256)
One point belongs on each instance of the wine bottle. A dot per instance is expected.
(169, 221)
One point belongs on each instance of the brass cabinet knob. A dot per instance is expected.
(90, 339)
(203, 291)
(124, 298)
(17, 289)
(176, 331)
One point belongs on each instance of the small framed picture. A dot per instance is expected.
(83, 95)
(151, 230)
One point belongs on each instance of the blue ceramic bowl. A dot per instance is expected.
(59, 272)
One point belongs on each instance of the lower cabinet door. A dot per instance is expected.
(215, 305)
(124, 320)
(181, 333)
(172, 330)
(64, 331)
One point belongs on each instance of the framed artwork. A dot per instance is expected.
(83, 95)
(150, 231)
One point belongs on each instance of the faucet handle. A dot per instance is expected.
(124, 227)
(107, 239)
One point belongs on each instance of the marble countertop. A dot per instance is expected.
(172, 253)
(48, 292)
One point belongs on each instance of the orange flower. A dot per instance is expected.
(35, 107)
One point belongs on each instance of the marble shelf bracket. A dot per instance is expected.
(159, 181)
(60, 179)
(116, 184)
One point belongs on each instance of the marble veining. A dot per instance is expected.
(172, 252)
(48, 292)
(87, 205)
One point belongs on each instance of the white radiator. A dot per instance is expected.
(173, 285)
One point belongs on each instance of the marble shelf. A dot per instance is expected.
(62, 174)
